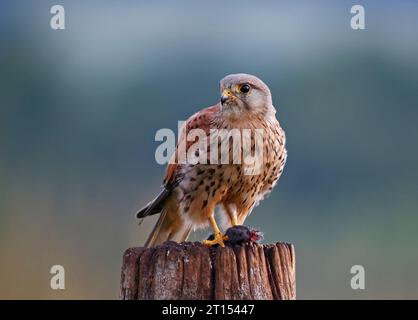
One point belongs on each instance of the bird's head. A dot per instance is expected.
(244, 94)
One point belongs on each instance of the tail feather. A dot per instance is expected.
(170, 226)
(155, 206)
(159, 233)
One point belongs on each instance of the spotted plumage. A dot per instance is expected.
(192, 191)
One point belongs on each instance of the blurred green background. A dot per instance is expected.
(79, 109)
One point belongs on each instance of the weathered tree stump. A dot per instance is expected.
(193, 271)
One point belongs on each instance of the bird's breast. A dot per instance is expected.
(231, 178)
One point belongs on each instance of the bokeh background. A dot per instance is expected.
(79, 109)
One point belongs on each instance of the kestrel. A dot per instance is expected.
(192, 192)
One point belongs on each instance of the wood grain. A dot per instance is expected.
(193, 271)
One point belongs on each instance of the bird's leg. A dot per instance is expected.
(232, 215)
(218, 237)
(234, 221)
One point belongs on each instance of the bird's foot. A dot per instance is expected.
(216, 239)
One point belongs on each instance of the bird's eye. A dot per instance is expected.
(245, 88)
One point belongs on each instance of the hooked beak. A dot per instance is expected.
(226, 95)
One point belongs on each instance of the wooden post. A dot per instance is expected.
(191, 270)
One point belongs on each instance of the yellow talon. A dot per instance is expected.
(218, 239)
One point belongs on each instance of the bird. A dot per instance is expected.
(193, 193)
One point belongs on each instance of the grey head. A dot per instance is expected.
(245, 94)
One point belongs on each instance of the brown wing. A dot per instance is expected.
(203, 120)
